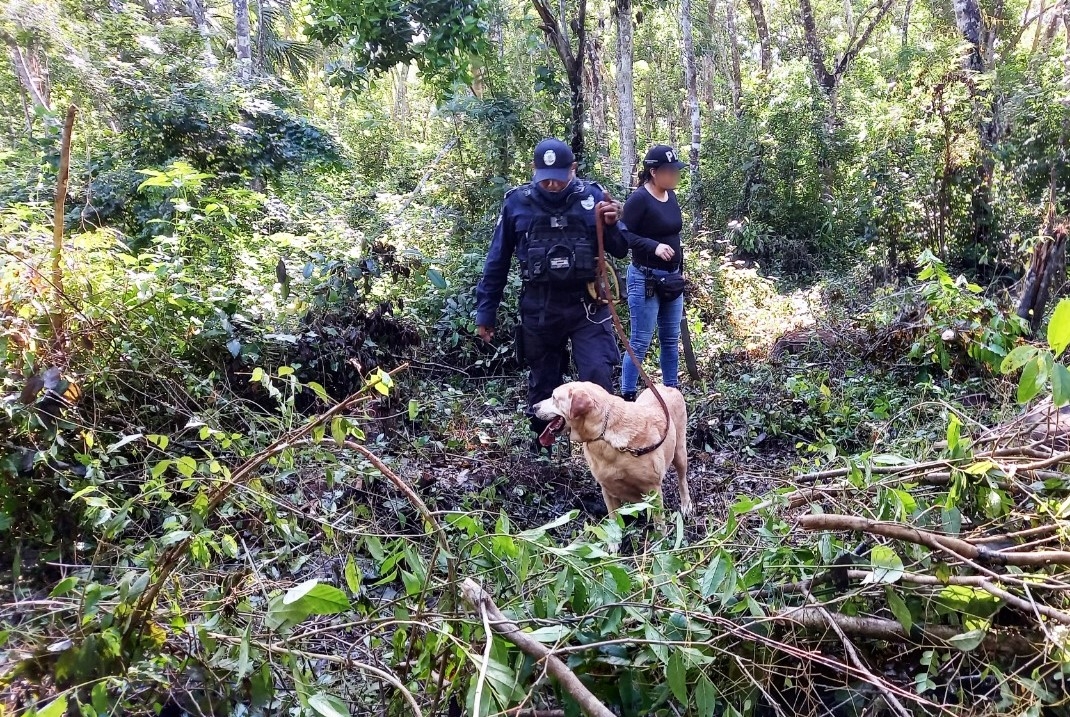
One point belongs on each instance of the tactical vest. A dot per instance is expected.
(559, 245)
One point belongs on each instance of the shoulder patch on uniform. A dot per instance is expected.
(588, 202)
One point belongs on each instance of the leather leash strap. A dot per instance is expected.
(602, 281)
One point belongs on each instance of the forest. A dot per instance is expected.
(255, 460)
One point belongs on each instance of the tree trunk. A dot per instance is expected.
(735, 75)
(200, 19)
(814, 48)
(988, 110)
(626, 91)
(691, 82)
(243, 39)
(555, 25)
(906, 21)
(762, 27)
(1040, 23)
(651, 123)
(830, 80)
(1047, 262)
(968, 20)
(261, 38)
(595, 92)
(35, 86)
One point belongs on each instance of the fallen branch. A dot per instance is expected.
(345, 661)
(935, 541)
(853, 656)
(174, 555)
(891, 630)
(508, 629)
(976, 581)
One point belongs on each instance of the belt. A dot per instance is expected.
(644, 267)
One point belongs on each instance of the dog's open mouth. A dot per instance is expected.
(549, 434)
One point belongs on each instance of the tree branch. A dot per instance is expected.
(934, 541)
(813, 46)
(880, 629)
(856, 45)
(508, 629)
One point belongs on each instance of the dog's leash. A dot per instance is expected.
(606, 296)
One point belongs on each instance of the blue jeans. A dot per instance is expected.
(645, 314)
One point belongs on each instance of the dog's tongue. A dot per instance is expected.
(549, 434)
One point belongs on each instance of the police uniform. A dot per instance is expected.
(553, 238)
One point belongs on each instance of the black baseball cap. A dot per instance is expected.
(553, 160)
(662, 155)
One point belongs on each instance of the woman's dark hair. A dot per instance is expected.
(645, 175)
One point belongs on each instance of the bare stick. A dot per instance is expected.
(482, 679)
(174, 556)
(59, 319)
(337, 659)
(852, 655)
(878, 628)
(508, 629)
(935, 541)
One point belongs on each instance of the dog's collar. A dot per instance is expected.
(637, 452)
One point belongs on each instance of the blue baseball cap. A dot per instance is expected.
(553, 160)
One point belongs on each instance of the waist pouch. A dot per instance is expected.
(667, 287)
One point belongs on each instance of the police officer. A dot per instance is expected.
(550, 225)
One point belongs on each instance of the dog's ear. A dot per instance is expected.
(580, 405)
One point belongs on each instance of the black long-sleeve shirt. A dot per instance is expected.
(648, 223)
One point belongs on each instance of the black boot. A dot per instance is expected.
(629, 396)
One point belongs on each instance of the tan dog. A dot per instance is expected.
(613, 430)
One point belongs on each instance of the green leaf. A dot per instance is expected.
(1030, 383)
(715, 574)
(352, 576)
(705, 695)
(954, 431)
(159, 468)
(319, 390)
(1060, 385)
(186, 466)
(56, 708)
(285, 371)
(244, 663)
(414, 409)
(338, 430)
(160, 442)
(676, 672)
(328, 705)
(1059, 327)
(229, 545)
(175, 536)
(886, 564)
(317, 598)
(64, 586)
(1017, 358)
(899, 608)
(967, 641)
(258, 375)
(436, 278)
(550, 633)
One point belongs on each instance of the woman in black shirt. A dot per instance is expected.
(653, 222)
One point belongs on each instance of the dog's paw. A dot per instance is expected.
(686, 508)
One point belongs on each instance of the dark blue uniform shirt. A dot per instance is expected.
(516, 217)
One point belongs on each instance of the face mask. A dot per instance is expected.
(552, 197)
